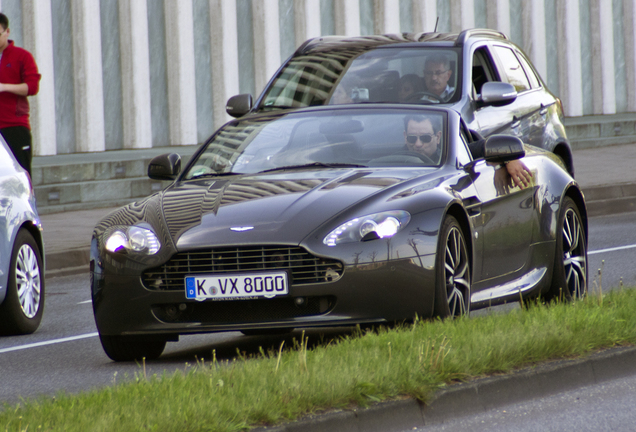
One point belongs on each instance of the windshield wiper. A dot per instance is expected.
(223, 174)
(315, 165)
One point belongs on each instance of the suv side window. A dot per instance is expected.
(483, 71)
(512, 68)
(535, 82)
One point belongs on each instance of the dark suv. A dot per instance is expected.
(478, 72)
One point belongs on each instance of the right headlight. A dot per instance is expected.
(370, 227)
(134, 239)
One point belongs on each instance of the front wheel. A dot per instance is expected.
(569, 275)
(21, 311)
(452, 281)
(129, 348)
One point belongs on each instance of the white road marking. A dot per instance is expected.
(51, 342)
(611, 249)
(87, 301)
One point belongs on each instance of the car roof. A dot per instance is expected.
(363, 43)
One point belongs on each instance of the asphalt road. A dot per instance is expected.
(608, 406)
(65, 353)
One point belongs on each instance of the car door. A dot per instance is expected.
(527, 122)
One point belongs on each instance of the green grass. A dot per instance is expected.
(282, 385)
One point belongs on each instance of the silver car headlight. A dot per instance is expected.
(370, 227)
(134, 239)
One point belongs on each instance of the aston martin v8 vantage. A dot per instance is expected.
(334, 216)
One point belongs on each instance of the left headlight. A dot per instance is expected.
(135, 239)
(370, 227)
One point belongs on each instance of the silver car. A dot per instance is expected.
(21, 250)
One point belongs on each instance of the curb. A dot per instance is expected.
(474, 397)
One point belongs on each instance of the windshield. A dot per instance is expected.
(383, 75)
(327, 139)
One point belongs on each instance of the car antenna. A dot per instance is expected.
(436, 22)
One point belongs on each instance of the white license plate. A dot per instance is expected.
(236, 286)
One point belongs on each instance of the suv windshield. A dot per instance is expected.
(326, 139)
(382, 75)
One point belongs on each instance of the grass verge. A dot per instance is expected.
(282, 385)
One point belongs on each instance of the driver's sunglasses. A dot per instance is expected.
(426, 138)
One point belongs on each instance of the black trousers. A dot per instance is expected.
(19, 140)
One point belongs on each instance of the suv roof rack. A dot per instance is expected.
(464, 35)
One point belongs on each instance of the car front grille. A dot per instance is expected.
(303, 267)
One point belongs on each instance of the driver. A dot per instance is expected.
(437, 72)
(422, 134)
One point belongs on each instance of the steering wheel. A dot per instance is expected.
(421, 156)
(418, 96)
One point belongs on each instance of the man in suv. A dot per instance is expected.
(479, 72)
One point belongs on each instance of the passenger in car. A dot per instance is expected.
(408, 88)
(422, 134)
(437, 72)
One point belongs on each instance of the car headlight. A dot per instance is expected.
(370, 227)
(135, 239)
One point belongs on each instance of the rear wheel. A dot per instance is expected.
(452, 281)
(129, 348)
(569, 275)
(21, 311)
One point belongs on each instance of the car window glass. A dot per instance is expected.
(463, 154)
(359, 138)
(512, 68)
(382, 75)
(482, 70)
(530, 73)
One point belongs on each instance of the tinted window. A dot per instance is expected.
(535, 82)
(512, 68)
(414, 75)
(356, 137)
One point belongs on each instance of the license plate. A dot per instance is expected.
(236, 286)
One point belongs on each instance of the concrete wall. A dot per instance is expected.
(126, 74)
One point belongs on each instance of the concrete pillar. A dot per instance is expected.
(569, 54)
(629, 29)
(266, 42)
(462, 15)
(224, 56)
(182, 104)
(306, 20)
(498, 15)
(424, 15)
(347, 17)
(37, 33)
(534, 43)
(135, 73)
(87, 76)
(602, 34)
(386, 16)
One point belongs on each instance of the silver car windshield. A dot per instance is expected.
(325, 139)
(383, 75)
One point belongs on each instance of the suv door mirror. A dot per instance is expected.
(239, 105)
(497, 93)
(165, 167)
(503, 148)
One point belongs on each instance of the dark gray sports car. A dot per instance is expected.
(332, 216)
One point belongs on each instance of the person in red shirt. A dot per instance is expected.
(19, 78)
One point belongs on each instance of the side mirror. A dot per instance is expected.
(239, 105)
(497, 93)
(503, 148)
(165, 167)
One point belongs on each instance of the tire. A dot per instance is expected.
(569, 274)
(452, 279)
(131, 348)
(22, 308)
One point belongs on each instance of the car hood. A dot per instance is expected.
(273, 208)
